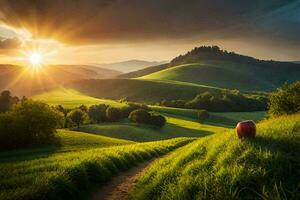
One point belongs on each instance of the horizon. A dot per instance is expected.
(96, 31)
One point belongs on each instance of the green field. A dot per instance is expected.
(260, 76)
(76, 168)
(226, 119)
(140, 90)
(71, 98)
(176, 127)
(222, 166)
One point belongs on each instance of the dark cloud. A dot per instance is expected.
(87, 21)
(9, 43)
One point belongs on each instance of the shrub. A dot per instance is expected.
(140, 116)
(97, 113)
(113, 114)
(158, 120)
(286, 100)
(126, 110)
(77, 116)
(145, 117)
(203, 115)
(29, 123)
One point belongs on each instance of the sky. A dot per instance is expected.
(105, 31)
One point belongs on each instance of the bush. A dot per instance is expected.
(158, 120)
(140, 116)
(286, 100)
(144, 117)
(113, 114)
(29, 123)
(203, 115)
(126, 110)
(77, 116)
(97, 113)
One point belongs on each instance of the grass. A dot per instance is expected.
(225, 119)
(225, 74)
(148, 91)
(71, 98)
(222, 166)
(176, 126)
(72, 171)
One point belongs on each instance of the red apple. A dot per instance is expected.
(246, 129)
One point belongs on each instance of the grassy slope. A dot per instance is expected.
(82, 163)
(176, 126)
(139, 90)
(229, 75)
(143, 72)
(71, 98)
(224, 167)
(227, 119)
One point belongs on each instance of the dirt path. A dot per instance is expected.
(118, 187)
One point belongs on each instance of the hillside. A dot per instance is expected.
(71, 98)
(145, 71)
(222, 166)
(130, 65)
(213, 67)
(138, 90)
(22, 81)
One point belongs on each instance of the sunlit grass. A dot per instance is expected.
(176, 126)
(70, 172)
(222, 166)
(72, 98)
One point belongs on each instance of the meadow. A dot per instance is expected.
(225, 119)
(70, 98)
(222, 166)
(176, 126)
(75, 168)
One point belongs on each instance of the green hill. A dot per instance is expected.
(145, 71)
(148, 91)
(231, 75)
(71, 98)
(214, 67)
(222, 166)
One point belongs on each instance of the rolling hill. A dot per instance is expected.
(22, 81)
(148, 91)
(213, 67)
(130, 65)
(145, 71)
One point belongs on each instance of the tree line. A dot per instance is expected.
(224, 101)
(27, 123)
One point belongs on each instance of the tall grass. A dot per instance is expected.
(73, 174)
(224, 167)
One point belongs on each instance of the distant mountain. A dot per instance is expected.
(21, 81)
(130, 65)
(214, 67)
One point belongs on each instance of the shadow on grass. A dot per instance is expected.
(141, 132)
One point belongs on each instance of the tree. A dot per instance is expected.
(97, 113)
(144, 117)
(113, 114)
(29, 123)
(286, 100)
(77, 116)
(158, 120)
(6, 101)
(140, 116)
(202, 115)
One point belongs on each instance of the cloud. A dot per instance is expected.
(9, 43)
(264, 23)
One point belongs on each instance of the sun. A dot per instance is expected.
(35, 59)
